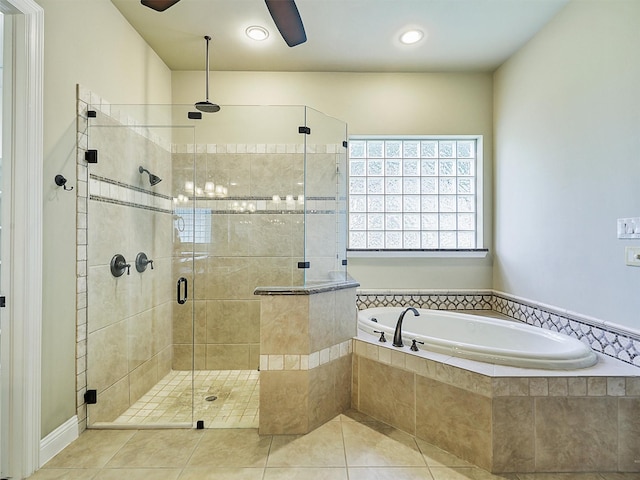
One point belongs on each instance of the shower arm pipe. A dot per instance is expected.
(207, 38)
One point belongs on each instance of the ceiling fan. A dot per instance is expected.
(285, 15)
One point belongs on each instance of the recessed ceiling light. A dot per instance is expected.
(411, 36)
(257, 33)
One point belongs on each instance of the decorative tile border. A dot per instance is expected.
(432, 299)
(613, 341)
(305, 362)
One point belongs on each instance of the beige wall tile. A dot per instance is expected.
(355, 382)
(322, 395)
(112, 402)
(107, 356)
(576, 434)
(284, 400)
(387, 393)
(140, 340)
(227, 357)
(284, 324)
(322, 323)
(142, 379)
(513, 435)
(629, 435)
(184, 358)
(233, 321)
(107, 297)
(184, 318)
(633, 386)
(596, 386)
(454, 419)
(346, 314)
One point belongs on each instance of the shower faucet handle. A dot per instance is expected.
(119, 265)
(142, 261)
(414, 347)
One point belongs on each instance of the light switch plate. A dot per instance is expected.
(632, 255)
(629, 227)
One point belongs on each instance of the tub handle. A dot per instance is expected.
(382, 337)
(414, 347)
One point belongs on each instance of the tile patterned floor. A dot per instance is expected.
(350, 447)
(236, 404)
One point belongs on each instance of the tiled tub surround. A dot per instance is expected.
(613, 340)
(129, 340)
(305, 360)
(504, 419)
(251, 239)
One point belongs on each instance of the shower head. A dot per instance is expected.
(153, 179)
(206, 106)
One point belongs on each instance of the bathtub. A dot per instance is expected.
(480, 338)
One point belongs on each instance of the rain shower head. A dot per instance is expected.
(206, 106)
(153, 179)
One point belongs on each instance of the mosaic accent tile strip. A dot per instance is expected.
(434, 300)
(601, 338)
(305, 362)
(257, 148)
(614, 342)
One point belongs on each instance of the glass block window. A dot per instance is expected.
(193, 225)
(415, 193)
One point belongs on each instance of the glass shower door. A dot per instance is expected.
(140, 262)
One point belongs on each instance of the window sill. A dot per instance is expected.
(440, 253)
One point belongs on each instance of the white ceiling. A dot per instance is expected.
(343, 35)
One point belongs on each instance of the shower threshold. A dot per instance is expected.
(236, 401)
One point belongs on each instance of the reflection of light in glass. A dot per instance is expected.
(276, 199)
(188, 186)
(220, 191)
(301, 199)
(199, 191)
(182, 198)
(289, 198)
(251, 207)
(209, 187)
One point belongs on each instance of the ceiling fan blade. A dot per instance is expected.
(159, 5)
(287, 18)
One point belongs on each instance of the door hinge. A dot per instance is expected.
(3, 301)
(91, 397)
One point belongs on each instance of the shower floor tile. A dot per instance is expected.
(236, 401)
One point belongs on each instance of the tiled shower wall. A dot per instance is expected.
(253, 236)
(128, 318)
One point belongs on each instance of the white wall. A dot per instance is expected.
(377, 103)
(567, 162)
(88, 43)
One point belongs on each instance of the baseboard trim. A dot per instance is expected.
(57, 440)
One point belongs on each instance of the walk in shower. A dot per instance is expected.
(201, 208)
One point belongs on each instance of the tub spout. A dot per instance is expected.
(397, 336)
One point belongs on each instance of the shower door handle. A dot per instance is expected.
(182, 299)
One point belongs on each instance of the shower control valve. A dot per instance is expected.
(414, 347)
(142, 261)
(382, 337)
(119, 265)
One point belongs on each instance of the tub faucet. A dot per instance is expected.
(397, 336)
